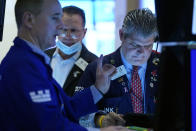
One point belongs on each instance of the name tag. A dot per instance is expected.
(81, 63)
(120, 71)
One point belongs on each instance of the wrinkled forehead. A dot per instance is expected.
(72, 21)
(140, 39)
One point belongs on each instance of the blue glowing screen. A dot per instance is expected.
(193, 89)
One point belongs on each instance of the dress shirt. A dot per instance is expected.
(141, 72)
(61, 68)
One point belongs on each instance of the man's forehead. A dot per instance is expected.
(52, 6)
(72, 18)
(141, 40)
(72, 22)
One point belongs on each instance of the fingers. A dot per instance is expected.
(108, 69)
(116, 116)
(103, 74)
(113, 73)
(112, 119)
(118, 119)
(100, 63)
(121, 115)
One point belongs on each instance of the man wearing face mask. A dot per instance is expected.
(70, 57)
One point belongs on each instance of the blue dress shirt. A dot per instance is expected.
(141, 72)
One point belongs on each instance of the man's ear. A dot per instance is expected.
(28, 19)
(121, 34)
(85, 30)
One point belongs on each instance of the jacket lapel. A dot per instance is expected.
(151, 80)
(74, 74)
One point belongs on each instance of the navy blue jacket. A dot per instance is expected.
(118, 98)
(31, 100)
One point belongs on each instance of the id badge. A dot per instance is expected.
(81, 63)
(120, 71)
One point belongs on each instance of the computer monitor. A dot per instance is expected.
(177, 104)
(193, 89)
(2, 13)
(176, 20)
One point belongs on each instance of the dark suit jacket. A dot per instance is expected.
(31, 100)
(118, 98)
(72, 79)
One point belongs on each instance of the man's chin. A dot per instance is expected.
(137, 62)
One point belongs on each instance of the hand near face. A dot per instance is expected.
(113, 119)
(103, 75)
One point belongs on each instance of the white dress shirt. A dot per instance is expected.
(61, 68)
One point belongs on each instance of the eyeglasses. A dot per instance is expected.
(136, 46)
(74, 33)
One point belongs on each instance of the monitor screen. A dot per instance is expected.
(193, 89)
(194, 18)
(176, 20)
(178, 88)
(175, 88)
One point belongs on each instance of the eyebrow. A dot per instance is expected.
(135, 44)
(132, 42)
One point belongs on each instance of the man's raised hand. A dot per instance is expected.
(103, 75)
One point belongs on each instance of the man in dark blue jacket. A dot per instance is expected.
(131, 91)
(30, 99)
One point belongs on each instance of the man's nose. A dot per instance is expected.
(141, 49)
(61, 24)
(68, 33)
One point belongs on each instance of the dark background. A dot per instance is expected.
(174, 18)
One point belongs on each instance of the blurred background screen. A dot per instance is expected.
(193, 88)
